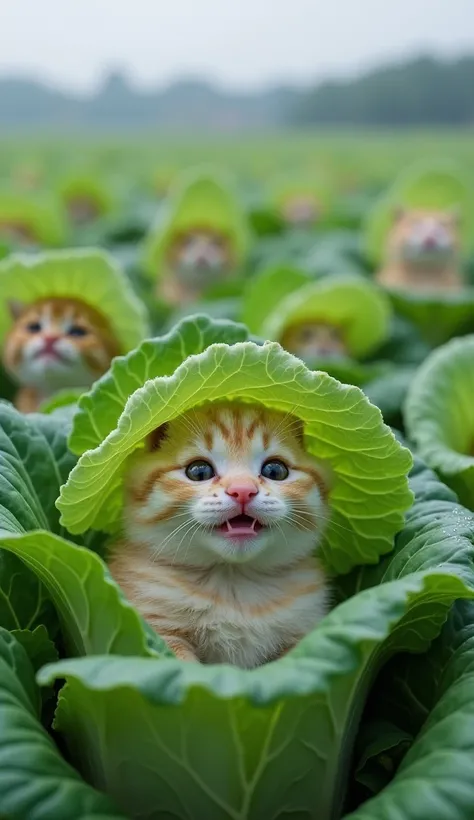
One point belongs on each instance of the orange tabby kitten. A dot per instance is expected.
(17, 232)
(314, 339)
(54, 344)
(196, 259)
(82, 210)
(301, 211)
(423, 251)
(223, 513)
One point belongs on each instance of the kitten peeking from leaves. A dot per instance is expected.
(56, 344)
(315, 339)
(423, 251)
(196, 260)
(223, 512)
(64, 315)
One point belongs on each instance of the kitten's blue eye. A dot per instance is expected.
(275, 470)
(77, 330)
(33, 327)
(200, 471)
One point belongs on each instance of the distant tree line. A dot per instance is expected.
(423, 91)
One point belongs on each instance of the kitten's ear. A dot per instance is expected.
(15, 308)
(156, 438)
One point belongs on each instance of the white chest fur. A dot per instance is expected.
(233, 614)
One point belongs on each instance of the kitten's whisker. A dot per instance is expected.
(174, 532)
(194, 525)
(321, 516)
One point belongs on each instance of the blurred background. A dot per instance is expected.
(255, 65)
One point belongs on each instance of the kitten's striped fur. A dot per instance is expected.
(212, 598)
(53, 344)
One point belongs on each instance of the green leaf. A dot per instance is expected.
(370, 489)
(436, 776)
(266, 289)
(61, 399)
(438, 534)
(37, 645)
(35, 782)
(388, 391)
(437, 316)
(34, 462)
(439, 416)
(277, 739)
(384, 745)
(95, 618)
(100, 410)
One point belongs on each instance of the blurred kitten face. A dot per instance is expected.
(227, 484)
(318, 340)
(17, 232)
(82, 210)
(424, 237)
(201, 256)
(58, 343)
(300, 211)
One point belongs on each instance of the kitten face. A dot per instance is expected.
(427, 238)
(82, 210)
(201, 256)
(17, 232)
(227, 484)
(314, 339)
(300, 211)
(58, 343)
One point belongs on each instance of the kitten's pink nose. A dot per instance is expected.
(242, 491)
(50, 340)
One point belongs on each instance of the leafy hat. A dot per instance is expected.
(438, 186)
(42, 216)
(294, 185)
(439, 416)
(198, 199)
(90, 186)
(168, 376)
(89, 275)
(356, 305)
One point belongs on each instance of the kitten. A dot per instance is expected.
(223, 513)
(82, 210)
(300, 211)
(314, 339)
(17, 232)
(54, 344)
(423, 250)
(196, 259)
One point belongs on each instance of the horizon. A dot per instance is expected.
(255, 46)
(218, 84)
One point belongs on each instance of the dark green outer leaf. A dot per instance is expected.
(438, 534)
(277, 739)
(35, 782)
(94, 616)
(436, 778)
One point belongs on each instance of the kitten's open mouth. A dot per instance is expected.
(240, 526)
(46, 353)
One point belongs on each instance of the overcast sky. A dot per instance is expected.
(241, 43)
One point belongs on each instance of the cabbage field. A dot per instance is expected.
(329, 277)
